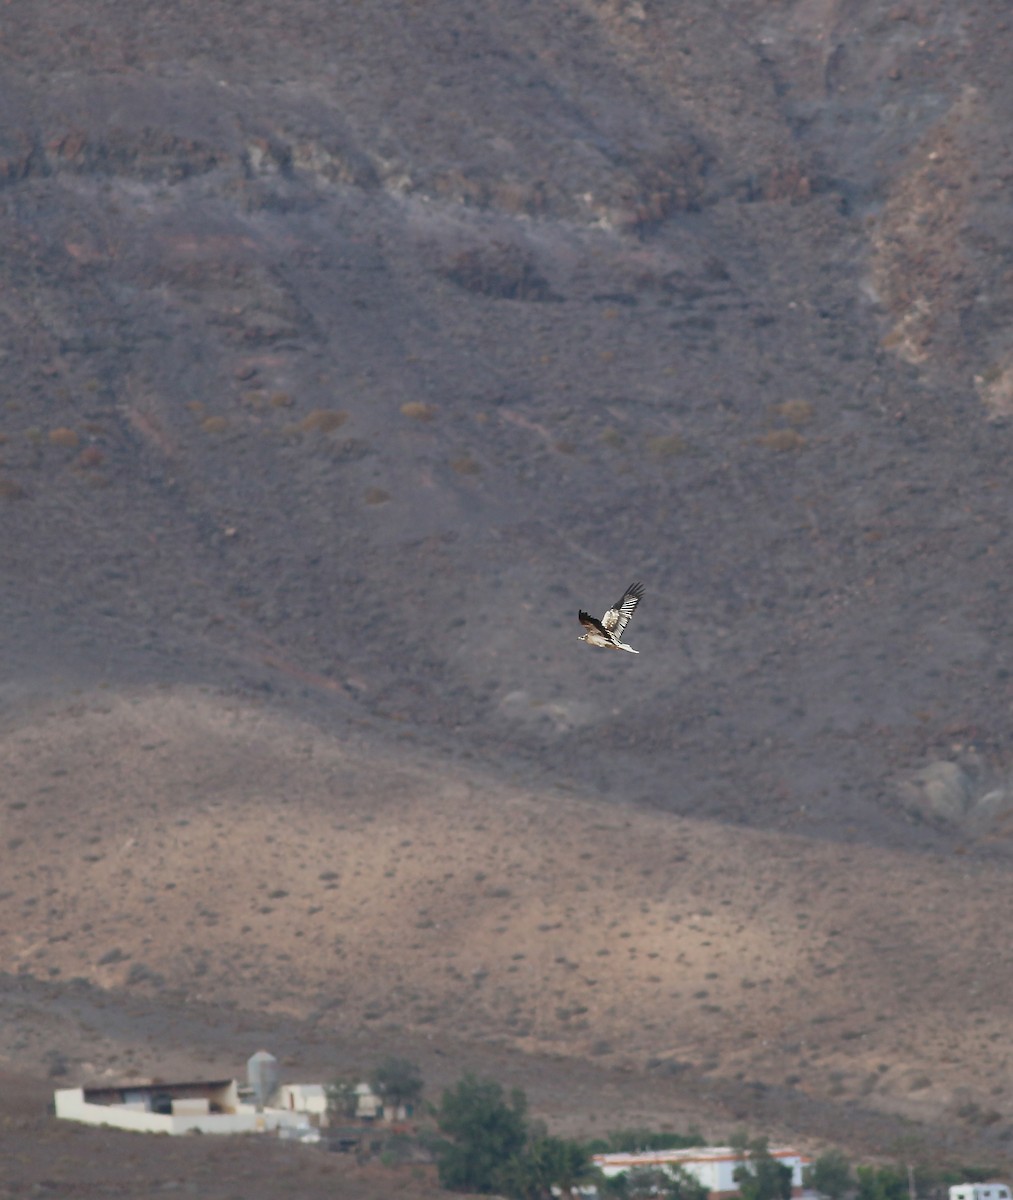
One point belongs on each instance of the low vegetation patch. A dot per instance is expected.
(782, 440)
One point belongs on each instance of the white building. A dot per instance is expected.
(712, 1166)
(370, 1107)
(205, 1107)
(304, 1098)
(980, 1191)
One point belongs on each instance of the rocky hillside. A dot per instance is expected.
(350, 348)
(189, 875)
(370, 341)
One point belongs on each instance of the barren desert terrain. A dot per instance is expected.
(348, 349)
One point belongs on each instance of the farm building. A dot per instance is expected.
(712, 1166)
(206, 1107)
(262, 1104)
(370, 1107)
(980, 1191)
(303, 1097)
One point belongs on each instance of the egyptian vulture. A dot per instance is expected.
(609, 630)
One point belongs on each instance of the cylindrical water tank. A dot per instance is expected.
(264, 1076)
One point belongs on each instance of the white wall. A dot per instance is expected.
(72, 1106)
(304, 1097)
(713, 1166)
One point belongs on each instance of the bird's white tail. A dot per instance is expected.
(623, 646)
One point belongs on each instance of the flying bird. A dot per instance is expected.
(609, 630)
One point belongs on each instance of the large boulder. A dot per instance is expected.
(939, 791)
(968, 795)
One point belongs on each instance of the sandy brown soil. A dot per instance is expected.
(347, 350)
(192, 876)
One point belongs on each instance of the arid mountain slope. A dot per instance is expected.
(334, 334)
(182, 845)
(348, 349)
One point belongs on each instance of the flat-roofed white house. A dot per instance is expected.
(207, 1106)
(712, 1166)
(303, 1097)
(993, 1190)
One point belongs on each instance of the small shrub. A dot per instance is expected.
(417, 410)
(90, 456)
(666, 445)
(58, 1065)
(465, 465)
(322, 420)
(67, 438)
(782, 440)
(142, 973)
(10, 489)
(375, 495)
(214, 425)
(281, 400)
(794, 412)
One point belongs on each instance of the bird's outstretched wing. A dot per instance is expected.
(590, 622)
(618, 617)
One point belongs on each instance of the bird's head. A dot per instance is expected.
(582, 638)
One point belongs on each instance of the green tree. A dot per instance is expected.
(545, 1163)
(651, 1183)
(486, 1133)
(881, 1183)
(520, 1179)
(629, 1141)
(759, 1175)
(684, 1186)
(830, 1174)
(341, 1098)
(397, 1081)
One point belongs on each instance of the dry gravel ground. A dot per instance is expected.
(348, 349)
